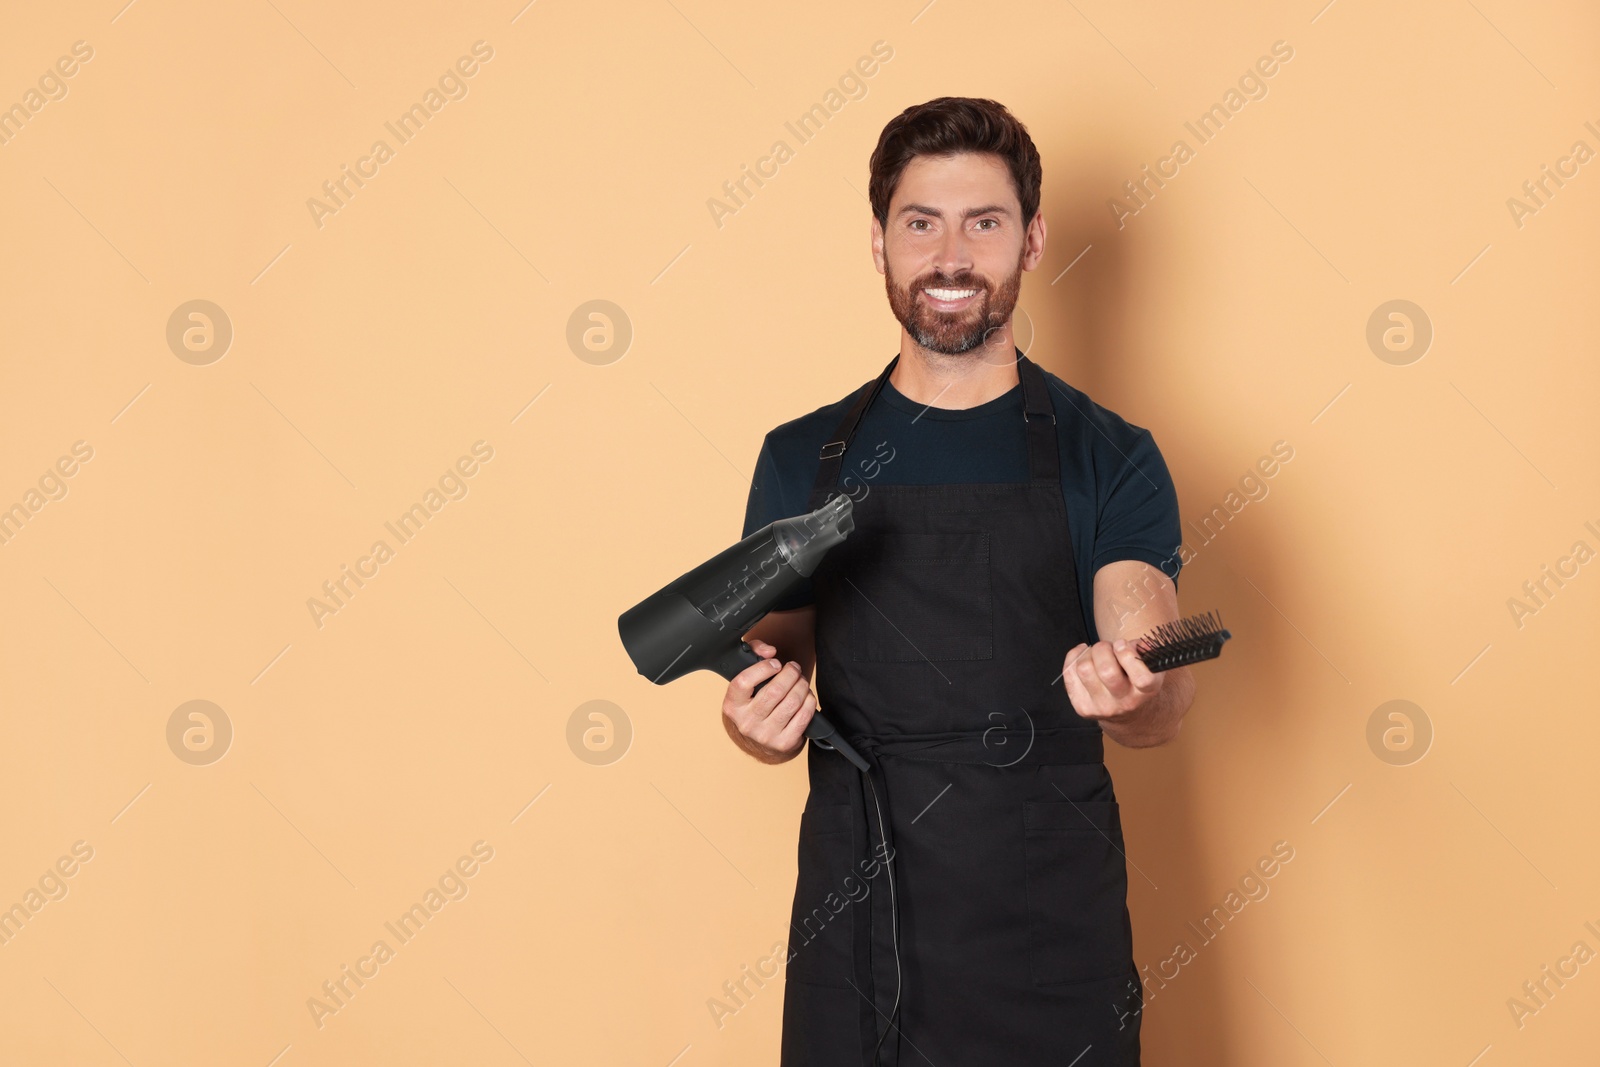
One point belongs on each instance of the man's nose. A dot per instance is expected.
(953, 256)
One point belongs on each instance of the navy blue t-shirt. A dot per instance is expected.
(1121, 503)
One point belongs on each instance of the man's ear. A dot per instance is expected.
(877, 246)
(1033, 242)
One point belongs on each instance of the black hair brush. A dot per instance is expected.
(1178, 644)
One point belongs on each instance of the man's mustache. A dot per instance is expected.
(947, 283)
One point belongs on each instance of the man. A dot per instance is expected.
(972, 637)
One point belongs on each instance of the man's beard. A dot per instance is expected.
(954, 333)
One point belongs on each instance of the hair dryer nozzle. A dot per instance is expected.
(696, 622)
(805, 539)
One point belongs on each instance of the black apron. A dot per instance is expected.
(942, 624)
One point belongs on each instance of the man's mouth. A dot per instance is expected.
(949, 299)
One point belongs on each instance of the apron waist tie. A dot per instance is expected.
(998, 746)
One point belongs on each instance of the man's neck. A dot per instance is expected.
(956, 382)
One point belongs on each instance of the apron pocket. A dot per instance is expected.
(1077, 885)
(922, 597)
(826, 893)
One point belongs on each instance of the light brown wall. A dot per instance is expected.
(371, 351)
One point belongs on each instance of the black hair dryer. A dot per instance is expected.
(698, 622)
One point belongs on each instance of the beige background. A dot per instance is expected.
(429, 312)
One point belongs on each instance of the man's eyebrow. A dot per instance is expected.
(923, 209)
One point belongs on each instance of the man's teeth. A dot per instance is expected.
(950, 294)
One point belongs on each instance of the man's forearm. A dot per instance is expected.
(1159, 721)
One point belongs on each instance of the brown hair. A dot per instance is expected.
(945, 127)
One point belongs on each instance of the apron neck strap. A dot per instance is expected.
(1044, 448)
(1044, 458)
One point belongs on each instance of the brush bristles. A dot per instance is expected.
(1180, 643)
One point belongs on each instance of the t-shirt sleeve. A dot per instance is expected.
(770, 500)
(1139, 511)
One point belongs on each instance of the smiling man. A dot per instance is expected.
(972, 638)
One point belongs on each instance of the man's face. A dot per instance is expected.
(954, 249)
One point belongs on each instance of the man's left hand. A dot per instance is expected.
(1108, 681)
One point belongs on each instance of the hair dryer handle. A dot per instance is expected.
(736, 659)
(822, 732)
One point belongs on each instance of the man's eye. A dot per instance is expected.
(918, 222)
(983, 221)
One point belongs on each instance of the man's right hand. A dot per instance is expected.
(770, 724)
